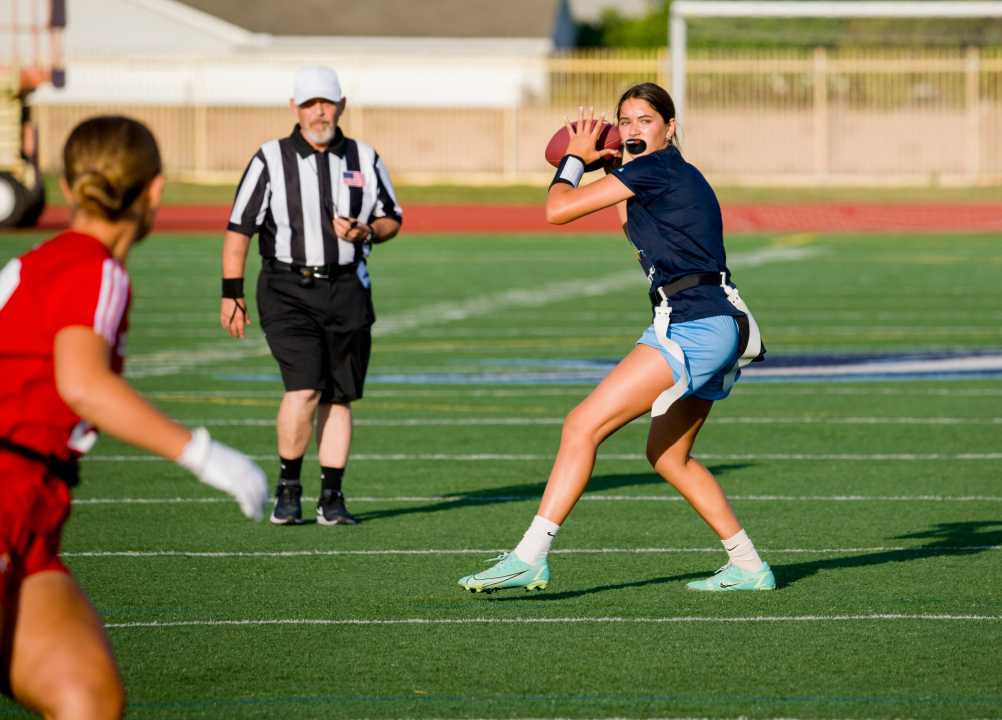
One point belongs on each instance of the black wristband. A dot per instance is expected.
(233, 288)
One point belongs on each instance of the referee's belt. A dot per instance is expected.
(323, 272)
(660, 294)
(66, 470)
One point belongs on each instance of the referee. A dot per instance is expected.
(318, 202)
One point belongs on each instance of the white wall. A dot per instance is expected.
(391, 80)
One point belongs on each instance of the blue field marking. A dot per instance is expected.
(962, 364)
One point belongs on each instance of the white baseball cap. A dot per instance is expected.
(316, 81)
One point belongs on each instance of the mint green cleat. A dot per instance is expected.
(509, 572)
(731, 577)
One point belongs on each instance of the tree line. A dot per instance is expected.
(614, 30)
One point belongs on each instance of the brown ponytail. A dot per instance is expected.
(108, 161)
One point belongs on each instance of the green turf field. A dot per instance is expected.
(877, 502)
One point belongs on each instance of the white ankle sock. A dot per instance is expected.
(742, 553)
(537, 540)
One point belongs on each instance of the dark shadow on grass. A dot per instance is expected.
(523, 596)
(955, 538)
(530, 491)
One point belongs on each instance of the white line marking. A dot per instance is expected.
(529, 421)
(240, 394)
(487, 499)
(610, 620)
(888, 330)
(170, 362)
(578, 391)
(966, 364)
(216, 554)
(497, 457)
(438, 313)
(858, 420)
(870, 390)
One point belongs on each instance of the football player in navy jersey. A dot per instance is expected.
(689, 357)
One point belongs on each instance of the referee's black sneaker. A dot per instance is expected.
(288, 508)
(331, 509)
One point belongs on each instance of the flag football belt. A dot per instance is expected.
(308, 272)
(66, 470)
(750, 346)
(687, 282)
(661, 294)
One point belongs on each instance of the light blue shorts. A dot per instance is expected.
(710, 347)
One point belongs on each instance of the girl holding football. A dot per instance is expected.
(688, 358)
(63, 316)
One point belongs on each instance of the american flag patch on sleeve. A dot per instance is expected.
(353, 178)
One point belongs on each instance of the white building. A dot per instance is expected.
(399, 53)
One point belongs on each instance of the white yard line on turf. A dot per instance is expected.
(869, 390)
(170, 362)
(979, 363)
(487, 499)
(580, 390)
(517, 421)
(217, 554)
(874, 617)
(494, 457)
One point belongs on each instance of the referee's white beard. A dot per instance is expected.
(320, 137)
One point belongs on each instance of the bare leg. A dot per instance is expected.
(334, 434)
(668, 445)
(62, 664)
(626, 393)
(295, 422)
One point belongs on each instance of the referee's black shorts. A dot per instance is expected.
(320, 335)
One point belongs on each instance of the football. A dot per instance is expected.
(608, 137)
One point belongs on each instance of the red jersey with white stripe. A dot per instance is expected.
(70, 280)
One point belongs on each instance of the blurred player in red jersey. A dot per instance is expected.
(63, 317)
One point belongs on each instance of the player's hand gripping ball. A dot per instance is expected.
(608, 138)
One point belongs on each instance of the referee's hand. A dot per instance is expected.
(350, 230)
(233, 316)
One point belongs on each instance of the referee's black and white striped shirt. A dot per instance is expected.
(290, 194)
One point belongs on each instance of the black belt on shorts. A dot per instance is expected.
(323, 272)
(66, 470)
(683, 283)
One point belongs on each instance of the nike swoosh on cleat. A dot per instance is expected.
(727, 585)
(495, 581)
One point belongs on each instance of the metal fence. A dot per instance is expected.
(754, 117)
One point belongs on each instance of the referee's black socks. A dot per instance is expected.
(330, 478)
(290, 470)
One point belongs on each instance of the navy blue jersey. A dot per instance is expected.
(674, 222)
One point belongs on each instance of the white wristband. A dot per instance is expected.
(570, 171)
